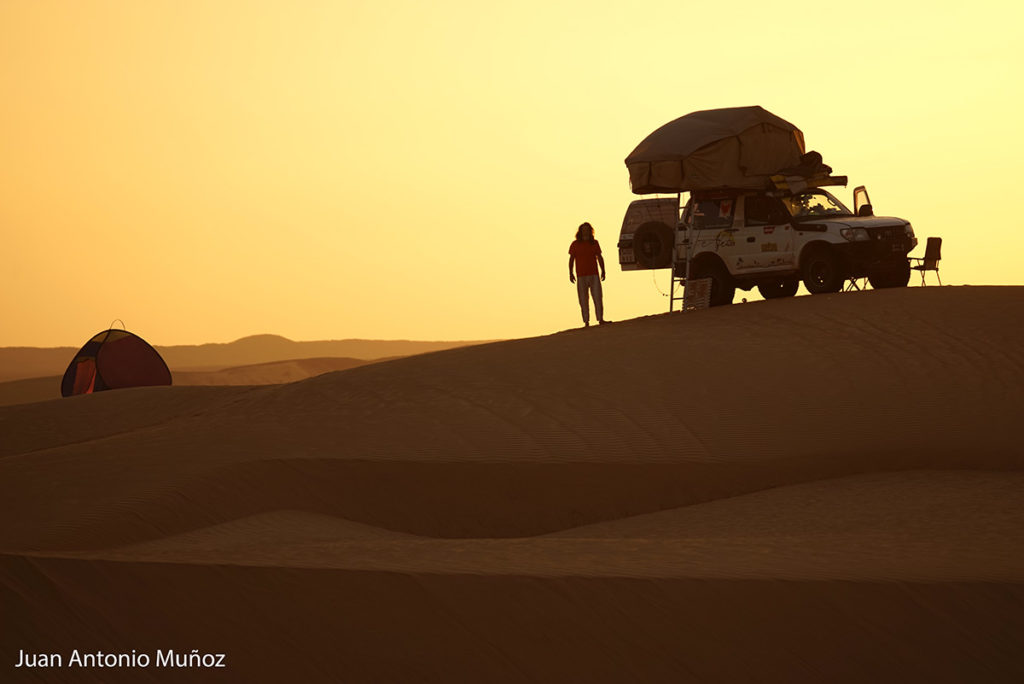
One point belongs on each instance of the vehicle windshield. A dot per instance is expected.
(815, 203)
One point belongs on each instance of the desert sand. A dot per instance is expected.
(20, 363)
(31, 390)
(31, 374)
(818, 489)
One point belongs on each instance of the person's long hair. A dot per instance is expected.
(585, 232)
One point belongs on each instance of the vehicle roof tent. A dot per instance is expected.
(114, 359)
(737, 147)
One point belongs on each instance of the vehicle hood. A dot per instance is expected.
(859, 221)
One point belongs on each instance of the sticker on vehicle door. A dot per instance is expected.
(724, 239)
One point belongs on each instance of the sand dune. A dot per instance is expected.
(817, 489)
(906, 525)
(258, 349)
(274, 373)
(29, 390)
(19, 363)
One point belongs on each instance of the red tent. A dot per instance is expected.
(114, 359)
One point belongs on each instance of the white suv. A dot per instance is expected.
(769, 240)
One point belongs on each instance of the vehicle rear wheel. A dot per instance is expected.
(722, 287)
(895, 276)
(783, 287)
(822, 272)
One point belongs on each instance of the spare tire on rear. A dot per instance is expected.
(652, 245)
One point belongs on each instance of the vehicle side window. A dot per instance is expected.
(713, 213)
(760, 210)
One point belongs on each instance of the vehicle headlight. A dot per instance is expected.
(909, 230)
(855, 234)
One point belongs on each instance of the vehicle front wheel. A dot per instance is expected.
(722, 287)
(895, 276)
(822, 272)
(783, 287)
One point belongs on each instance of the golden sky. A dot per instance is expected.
(206, 170)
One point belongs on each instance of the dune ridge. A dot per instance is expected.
(19, 363)
(824, 488)
(524, 421)
(33, 390)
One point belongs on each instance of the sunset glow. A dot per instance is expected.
(325, 170)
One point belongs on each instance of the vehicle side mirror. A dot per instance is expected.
(861, 201)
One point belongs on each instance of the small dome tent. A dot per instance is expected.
(114, 359)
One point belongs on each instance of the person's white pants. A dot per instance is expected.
(590, 286)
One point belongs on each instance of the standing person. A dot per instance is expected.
(585, 252)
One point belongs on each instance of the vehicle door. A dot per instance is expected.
(767, 236)
(712, 218)
(862, 202)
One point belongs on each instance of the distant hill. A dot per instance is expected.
(18, 363)
(267, 348)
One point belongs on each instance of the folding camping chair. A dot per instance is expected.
(930, 261)
(853, 284)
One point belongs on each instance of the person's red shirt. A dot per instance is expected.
(585, 254)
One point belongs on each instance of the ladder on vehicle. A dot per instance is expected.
(694, 293)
